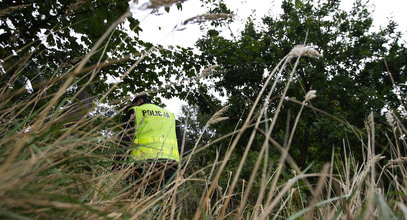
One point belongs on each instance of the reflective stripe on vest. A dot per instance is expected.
(155, 135)
(155, 139)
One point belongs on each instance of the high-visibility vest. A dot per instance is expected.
(155, 136)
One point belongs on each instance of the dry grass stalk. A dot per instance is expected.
(265, 143)
(285, 153)
(245, 125)
(318, 191)
(287, 187)
(217, 117)
(398, 160)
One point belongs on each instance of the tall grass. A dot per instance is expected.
(56, 166)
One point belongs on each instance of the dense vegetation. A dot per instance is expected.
(313, 132)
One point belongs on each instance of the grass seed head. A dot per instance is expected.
(206, 17)
(301, 50)
(217, 120)
(390, 119)
(310, 95)
(11, 9)
(207, 71)
(74, 6)
(155, 4)
(370, 120)
(217, 116)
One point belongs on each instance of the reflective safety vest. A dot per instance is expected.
(155, 136)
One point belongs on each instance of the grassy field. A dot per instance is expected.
(57, 152)
(56, 159)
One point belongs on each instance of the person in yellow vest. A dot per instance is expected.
(154, 147)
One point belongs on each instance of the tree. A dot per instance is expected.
(352, 79)
(43, 40)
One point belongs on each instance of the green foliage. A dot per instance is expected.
(52, 169)
(46, 39)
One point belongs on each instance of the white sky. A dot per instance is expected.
(160, 28)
